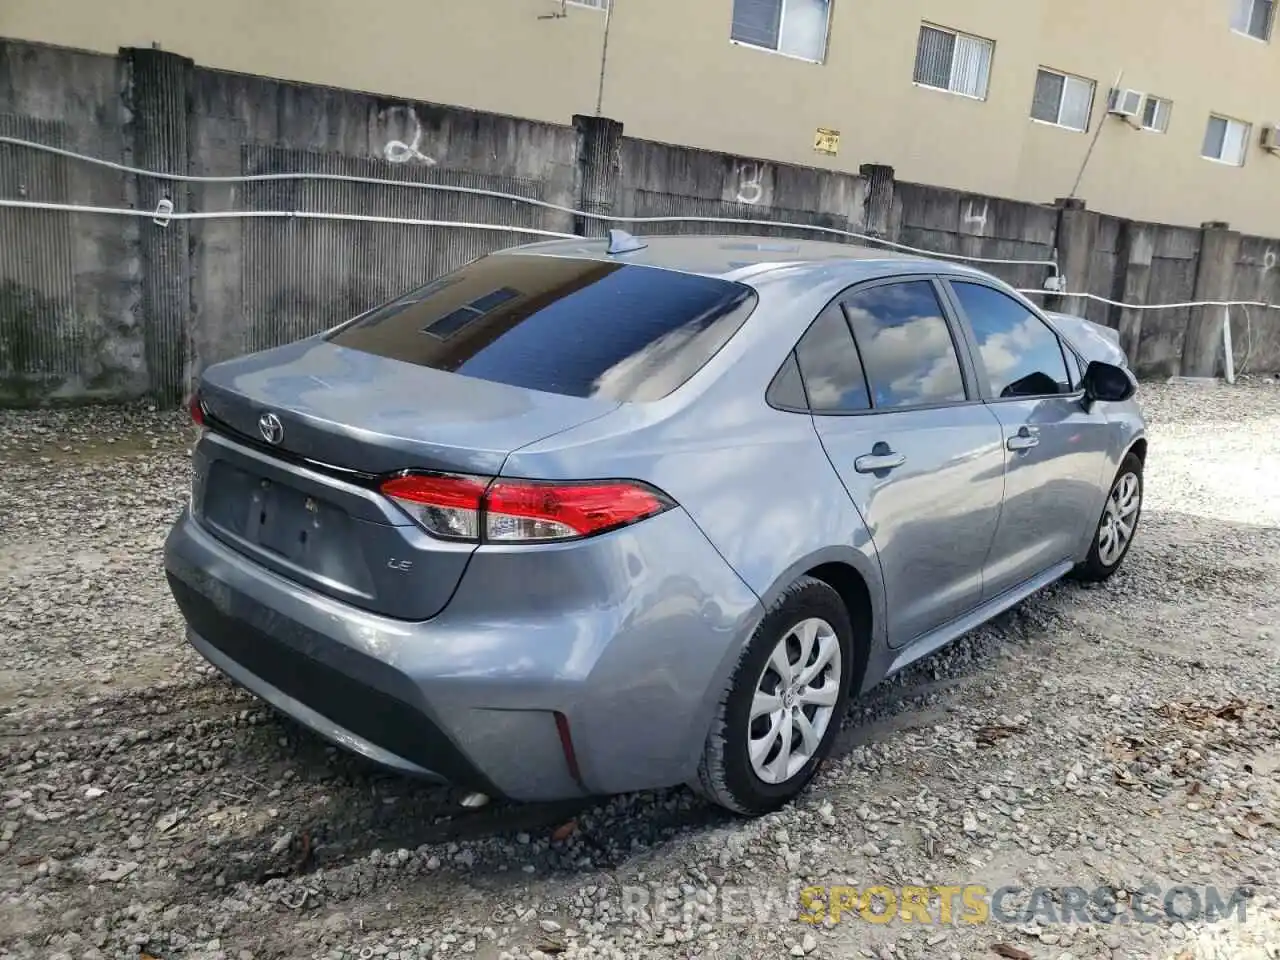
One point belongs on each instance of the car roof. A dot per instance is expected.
(750, 259)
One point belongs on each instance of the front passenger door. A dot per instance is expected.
(914, 446)
(1054, 451)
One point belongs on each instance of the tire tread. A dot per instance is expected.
(1092, 569)
(712, 782)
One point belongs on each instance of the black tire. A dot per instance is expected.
(1093, 569)
(725, 774)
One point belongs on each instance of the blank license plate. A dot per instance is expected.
(283, 520)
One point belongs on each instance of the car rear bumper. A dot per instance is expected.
(624, 641)
(358, 715)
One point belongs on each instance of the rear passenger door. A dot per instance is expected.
(1054, 450)
(897, 412)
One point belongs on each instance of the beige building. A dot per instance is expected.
(1002, 97)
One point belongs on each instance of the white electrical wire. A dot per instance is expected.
(1155, 306)
(280, 214)
(1248, 332)
(495, 194)
(502, 228)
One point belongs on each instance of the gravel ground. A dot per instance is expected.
(1114, 738)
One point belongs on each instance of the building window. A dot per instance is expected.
(947, 60)
(593, 4)
(1253, 18)
(1225, 140)
(1062, 99)
(1155, 114)
(797, 28)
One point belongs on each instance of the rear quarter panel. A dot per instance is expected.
(759, 487)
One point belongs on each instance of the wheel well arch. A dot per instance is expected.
(1139, 450)
(853, 590)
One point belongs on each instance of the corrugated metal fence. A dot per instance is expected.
(40, 335)
(303, 276)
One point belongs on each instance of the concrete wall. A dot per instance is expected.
(105, 306)
(659, 180)
(259, 282)
(1170, 278)
(1255, 334)
(96, 305)
(971, 225)
(71, 317)
(672, 75)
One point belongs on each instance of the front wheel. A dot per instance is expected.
(1118, 524)
(785, 703)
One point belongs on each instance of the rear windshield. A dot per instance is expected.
(582, 328)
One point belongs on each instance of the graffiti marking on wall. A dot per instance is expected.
(397, 151)
(1268, 260)
(970, 217)
(750, 189)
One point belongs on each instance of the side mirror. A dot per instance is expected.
(1107, 382)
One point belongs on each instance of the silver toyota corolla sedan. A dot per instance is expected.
(587, 517)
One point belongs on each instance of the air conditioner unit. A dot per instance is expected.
(1271, 137)
(1124, 102)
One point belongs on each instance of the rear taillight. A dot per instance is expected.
(521, 511)
(517, 511)
(446, 506)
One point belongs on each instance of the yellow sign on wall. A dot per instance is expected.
(827, 141)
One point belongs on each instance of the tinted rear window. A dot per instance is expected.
(582, 328)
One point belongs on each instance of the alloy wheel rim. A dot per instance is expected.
(1119, 518)
(794, 700)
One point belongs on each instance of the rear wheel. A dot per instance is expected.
(1117, 526)
(784, 705)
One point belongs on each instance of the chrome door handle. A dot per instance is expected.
(875, 462)
(1024, 439)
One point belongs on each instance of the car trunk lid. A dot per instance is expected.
(299, 437)
(361, 412)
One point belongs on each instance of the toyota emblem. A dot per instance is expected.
(271, 428)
